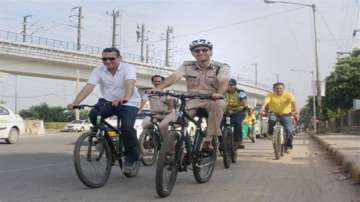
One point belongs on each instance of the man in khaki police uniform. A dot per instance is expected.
(203, 76)
(160, 106)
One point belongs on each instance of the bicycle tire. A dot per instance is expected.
(103, 148)
(148, 141)
(167, 156)
(226, 147)
(199, 164)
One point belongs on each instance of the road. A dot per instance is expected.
(40, 169)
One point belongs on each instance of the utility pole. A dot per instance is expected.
(16, 93)
(24, 29)
(169, 31)
(277, 77)
(147, 53)
(140, 33)
(317, 71)
(256, 73)
(79, 17)
(115, 15)
(77, 113)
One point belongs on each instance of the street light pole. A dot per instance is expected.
(314, 96)
(317, 72)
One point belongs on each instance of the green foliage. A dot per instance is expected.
(306, 113)
(50, 114)
(343, 85)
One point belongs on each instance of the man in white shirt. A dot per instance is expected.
(117, 84)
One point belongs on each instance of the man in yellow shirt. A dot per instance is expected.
(283, 105)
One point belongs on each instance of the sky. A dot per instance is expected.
(276, 37)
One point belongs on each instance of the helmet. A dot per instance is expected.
(232, 82)
(200, 42)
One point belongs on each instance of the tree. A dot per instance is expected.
(343, 85)
(50, 114)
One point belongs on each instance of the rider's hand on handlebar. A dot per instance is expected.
(154, 91)
(263, 113)
(296, 116)
(217, 96)
(118, 102)
(70, 106)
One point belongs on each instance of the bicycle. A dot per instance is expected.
(150, 142)
(179, 151)
(227, 147)
(96, 151)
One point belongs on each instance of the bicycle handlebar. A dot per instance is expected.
(91, 106)
(183, 96)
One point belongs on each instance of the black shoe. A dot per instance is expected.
(129, 167)
(241, 146)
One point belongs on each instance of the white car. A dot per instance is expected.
(77, 126)
(11, 125)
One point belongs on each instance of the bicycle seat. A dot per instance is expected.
(201, 113)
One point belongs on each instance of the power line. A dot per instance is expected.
(329, 30)
(229, 25)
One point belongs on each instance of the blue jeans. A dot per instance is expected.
(127, 116)
(286, 122)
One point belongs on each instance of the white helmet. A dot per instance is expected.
(200, 42)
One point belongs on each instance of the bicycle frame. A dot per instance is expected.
(192, 149)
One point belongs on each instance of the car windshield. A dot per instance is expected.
(3, 111)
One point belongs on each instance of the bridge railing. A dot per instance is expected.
(71, 46)
(92, 53)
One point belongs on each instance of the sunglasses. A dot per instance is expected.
(205, 50)
(106, 59)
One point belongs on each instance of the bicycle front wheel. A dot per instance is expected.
(149, 147)
(227, 147)
(203, 166)
(277, 143)
(92, 160)
(166, 167)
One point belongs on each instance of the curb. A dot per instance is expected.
(347, 164)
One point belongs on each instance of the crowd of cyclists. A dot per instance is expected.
(203, 76)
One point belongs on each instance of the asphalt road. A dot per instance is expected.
(41, 169)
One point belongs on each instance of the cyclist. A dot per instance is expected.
(283, 104)
(236, 103)
(203, 76)
(160, 106)
(117, 84)
(249, 121)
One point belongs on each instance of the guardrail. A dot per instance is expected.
(71, 46)
(60, 50)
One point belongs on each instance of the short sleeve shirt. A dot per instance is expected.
(206, 81)
(113, 86)
(158, 104)
(280, 104)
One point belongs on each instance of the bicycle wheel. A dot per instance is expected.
(226, 147)
(203, 166)
(92, 160)
(166, 167)
(149, 147)
(276, 143)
